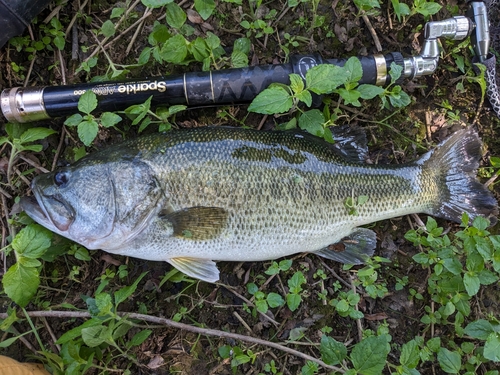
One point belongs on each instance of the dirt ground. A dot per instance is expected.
(438, 108)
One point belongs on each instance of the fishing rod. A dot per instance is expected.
(240, 85)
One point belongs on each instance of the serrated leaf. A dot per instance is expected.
(109, 119)
(480, 329)
(353, 69)
(312, 121)
(176, 17)
(305, 97)
(32, 241)
(204, 8)
(35, 134)
(369, 356)
(87, 102)
(369, 91)
(261, 306)
(274, 99)
(410, 354)
(73, 120)
(108, 28)
(199, 49)
(449, 361)
(332, 351)
(296, 83)
(95, 336)
(471, 283)
(324, 78)
(293, 301)
(492, 347)
(156, 3)
(213, 41)
(275, 300)
(175, 49)
(87, 131)
(20, 283)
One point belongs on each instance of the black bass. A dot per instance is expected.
(195, 196)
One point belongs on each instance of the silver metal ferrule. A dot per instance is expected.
(456, 28)
(23, 104)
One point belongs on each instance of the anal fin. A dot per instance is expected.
(202, 269)
(353, 249)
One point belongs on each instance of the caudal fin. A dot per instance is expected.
(454, 165)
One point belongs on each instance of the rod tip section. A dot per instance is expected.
(23, 104)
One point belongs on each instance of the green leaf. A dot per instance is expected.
(73, 120)
(87, 131)
(225, 351)
(108, 28)
(332, 351)
(76, 332)
(176, 17)
(296, 281)
(427, 8)
(293, 301)
(156, 3)
(369, 356)
(275, 300)
(175, 49)
(324, 78)
(125, 292)
(366, 5)
(479, 329)
(369, 91)
(274, 99)
(296, 83)
(109, 119)
(87, 102)
(140, 337)
(261, 306)
(492, 347)
(199, 49)
(472, 283)
(312, 121)
(353, 69)
(32, 241)
(35, 134)
(59, 42)
(204, 8)
(95, 335)
(449, 361)
(20, 283)
(213, 41)
(305, 97)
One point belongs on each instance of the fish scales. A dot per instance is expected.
(245, 195)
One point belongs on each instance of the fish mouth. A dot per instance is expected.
(49, 211)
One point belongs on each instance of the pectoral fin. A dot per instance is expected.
(202, 269)
(197, 223)
(353, 249)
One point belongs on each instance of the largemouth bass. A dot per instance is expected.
(195, 196)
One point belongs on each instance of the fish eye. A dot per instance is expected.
(61, 178)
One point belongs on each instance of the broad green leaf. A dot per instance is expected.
(176, 17)
(108, 28)
(449, 361)
(261, 306)
(369, 91)
(59, 42)
(87, 131)
(117, 12)
(32, 241)
(332, 351)
(480, 329)
(324, 78)
(175, 49)
(103, 303)
(293, 301)
(366, 5)
(204, 8)
(35, 134)
(472, 283)
(225, 351)
(244, 45)
(76, 332)
(353, 69)
(274, 99)
(73, 120)
(199, 49)
(95, 335)
(350, 96)
(296, 281)
(427, 8)
(275, 300)
(87, 102)
(369, 356)
(20, 283)
(312, 121)
(109, 119)
(172, 110)
(492, 347)
(156, 3)
(305, 97)
(213, 41)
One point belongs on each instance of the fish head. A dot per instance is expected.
(99, 204)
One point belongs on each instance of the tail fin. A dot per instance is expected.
(454, 165)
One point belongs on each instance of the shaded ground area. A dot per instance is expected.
(441, 104)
